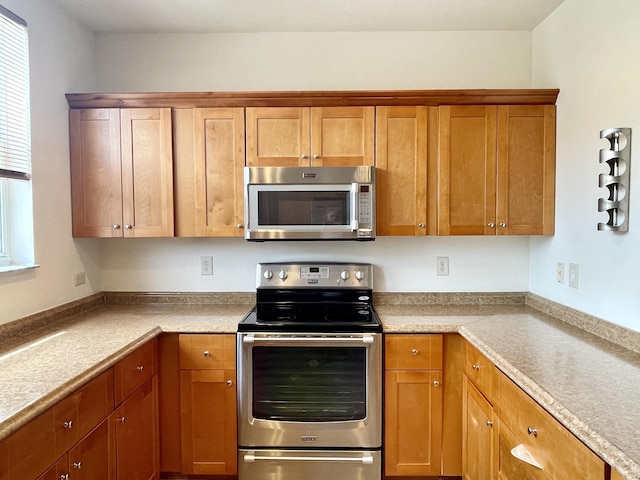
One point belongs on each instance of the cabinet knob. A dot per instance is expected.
(68, 424)
(316, 156)
(127, 226)
(436, 383)
(116, 227)
(206, 353)
(229, 382)
(491, 225)
(414, 351)
(77, 465)
(489, 423)
(304, 156)
(140, 368)
(532, 431)
(475, 367)
(502, 224)
(64, 476)
(239, 225)
(121, 419)
(421, 225)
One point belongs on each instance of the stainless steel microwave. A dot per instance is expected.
(309, 203)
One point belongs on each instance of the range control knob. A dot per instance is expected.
(268, 274)
(359, 275)
(344, 275)
(282, 274)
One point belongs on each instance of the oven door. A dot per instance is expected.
(309, 390)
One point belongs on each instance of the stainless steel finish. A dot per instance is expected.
(617, 180)
(309, 465)
(489, 423)
(364, 433)
(298, 275)
(344, 275)
(68, 424)
(360, 223)
(491, 225)
(532, 431)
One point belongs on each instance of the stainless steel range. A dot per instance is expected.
(310, 375)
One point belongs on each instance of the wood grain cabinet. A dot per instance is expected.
(121, 172)
(209, 164)
(496, 170)
(403, 143)
(208, 404)
(318, 136)
(413, 404)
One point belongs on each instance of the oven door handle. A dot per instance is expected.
(254, 339)
(366, 459)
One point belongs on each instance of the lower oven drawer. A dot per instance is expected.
(308, 464)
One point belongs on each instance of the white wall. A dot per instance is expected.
(591, 53)
(314, 61)
(61, 60)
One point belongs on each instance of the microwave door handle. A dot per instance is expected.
(354, 207)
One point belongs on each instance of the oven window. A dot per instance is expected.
(303, 208)
(309, 384)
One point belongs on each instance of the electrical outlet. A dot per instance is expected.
(206, 265)
(80, 278)
(574, 275)
(442, 266)
(560, 272)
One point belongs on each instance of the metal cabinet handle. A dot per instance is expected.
(421, 225)
(116, 227)
(316, 156)
(77, 465)
(436, 383)
(206, 353)
(502, 224)
(121, 419)
(304, 156)
(239, 225)
(532, 431)
(475, 367)
(68, 424)
(489, 423)
(229, 382)
(140, 368)
(127, 226)
(64, 476)
(491, 225)
(414, 351)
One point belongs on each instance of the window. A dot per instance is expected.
(16, 209)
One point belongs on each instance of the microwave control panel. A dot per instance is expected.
(365, 210)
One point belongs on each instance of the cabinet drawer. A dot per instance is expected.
(560, 453)
(216, 352)
(134, 370)
(510, 467)
(413, 352)
(31, 449)
(478, 369)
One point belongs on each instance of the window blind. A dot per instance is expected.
(15, 129)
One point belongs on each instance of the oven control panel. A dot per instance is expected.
(321, 275)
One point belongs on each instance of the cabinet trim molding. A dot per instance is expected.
(335, 98)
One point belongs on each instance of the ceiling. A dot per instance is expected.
(227, 16)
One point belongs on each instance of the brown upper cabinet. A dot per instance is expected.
(405, 138)
(319, 136)
(496, 170)
(121, 172)
(209, 163)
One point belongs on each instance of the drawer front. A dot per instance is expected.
(31, 449)
(413, 352)
(560, 453)
(510, 467)
(478, 369)
(134, 370)
(216, 352)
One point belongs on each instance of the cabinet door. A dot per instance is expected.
(478, 435)
(401, 170)
(93, 458)
(526, 170)
(31, 449)
(209, 438)
(342, 136)
(277, 137)
(147, 172)
(219, 164)
(96, 184)
(467, 177)
(137, 444)
(57, 471)
(413, 422)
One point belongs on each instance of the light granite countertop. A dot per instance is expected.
(589, 384)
